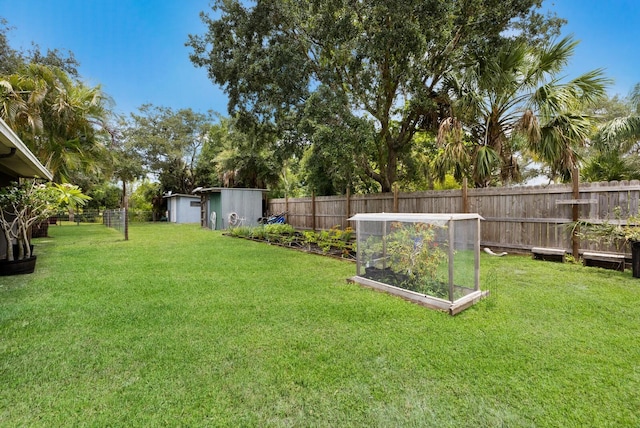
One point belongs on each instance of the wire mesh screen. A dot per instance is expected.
(115, 219)
(429, 254)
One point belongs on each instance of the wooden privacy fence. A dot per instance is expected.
(516, 218)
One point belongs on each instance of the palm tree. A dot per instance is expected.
(614, 152)
(512, 102)
(60, 119)
(625, 129)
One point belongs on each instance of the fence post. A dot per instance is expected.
(286, 208)
(465, 196)
(313, 210)
(575, 238)
(348, 208)
(396, 202)
(126, 221)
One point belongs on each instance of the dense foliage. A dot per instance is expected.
(512, 103)
(339, 96)
(386, 62)
(62, 120)
(614, 153)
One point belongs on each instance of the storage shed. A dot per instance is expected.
(183, 208)
(223, 207)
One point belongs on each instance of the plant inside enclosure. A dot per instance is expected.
(410, 257)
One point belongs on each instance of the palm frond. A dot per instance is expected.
(621, 128)
(529, 126)
(487, 160)
(554, 57)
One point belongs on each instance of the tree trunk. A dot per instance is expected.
(124, 194)
(9, 241)
(390, 172)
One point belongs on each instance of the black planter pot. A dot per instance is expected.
(17, 267)
(40, 230)
(635, 259)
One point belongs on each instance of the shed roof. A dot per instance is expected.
(221, 189)
(181, 195)
(16, 159)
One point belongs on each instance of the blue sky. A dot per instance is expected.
(135, 48)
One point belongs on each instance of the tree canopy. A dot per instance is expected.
(61, 119)
(513, 102)
(167, 143)
(387, 60)
(614, 153)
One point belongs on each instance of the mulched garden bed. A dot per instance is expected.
(298, 241)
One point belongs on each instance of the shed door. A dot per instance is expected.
(215, 205)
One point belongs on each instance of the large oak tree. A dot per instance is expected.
(387, 59)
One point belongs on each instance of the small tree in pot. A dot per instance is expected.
(24, 204)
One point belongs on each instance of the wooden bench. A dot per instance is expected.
(549, 254)
(604, 260)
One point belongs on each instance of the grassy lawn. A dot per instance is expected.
(183, 326)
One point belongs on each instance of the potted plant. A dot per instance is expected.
(620, 233)
(21, 206)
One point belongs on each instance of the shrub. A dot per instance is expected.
(241, 232)
(279, 232)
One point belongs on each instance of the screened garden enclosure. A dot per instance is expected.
(432, 259)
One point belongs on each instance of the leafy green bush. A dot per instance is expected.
(280, 233)
(309, 238)
(241, 231)
(279, 229)
(258, 232)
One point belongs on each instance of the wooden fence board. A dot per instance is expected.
(516, 218)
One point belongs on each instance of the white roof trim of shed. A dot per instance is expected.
(221, 189)
(181, 195)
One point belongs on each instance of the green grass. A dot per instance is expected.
(183, 326)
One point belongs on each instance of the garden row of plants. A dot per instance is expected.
(335, 241)
(411, 256)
